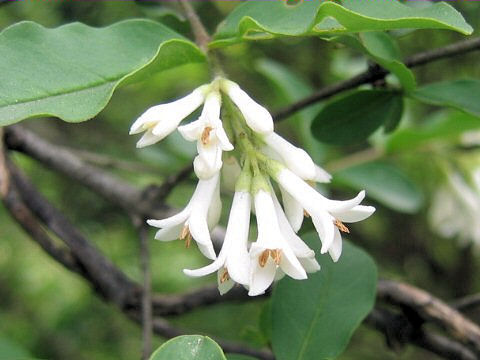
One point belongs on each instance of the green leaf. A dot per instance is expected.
(315, 318)
(71, 71)
(255, 20)
(189, 347)
(352, 118)
(384, 50)
(459, 94)
(440, 127)
(385, 183)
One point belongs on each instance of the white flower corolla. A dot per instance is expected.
(296, 159)
(210, 135)
(233, 261)
(161, 120)
(299, 162)
(271, 251)
(455, 208)
(305, 255)
(327, 215)
(196, 219)
(256, 116)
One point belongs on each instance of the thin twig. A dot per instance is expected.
(201, 35)
(466, 303)
(375, 73)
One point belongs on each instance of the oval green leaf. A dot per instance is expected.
(385, 183)
(255, 20)
(189, 347)
(314, 319)
(383, 49)
(459, 94)
(352, 118)
(71, 71)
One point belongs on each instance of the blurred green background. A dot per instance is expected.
(48, 313)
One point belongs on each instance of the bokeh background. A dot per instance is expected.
(48, 313)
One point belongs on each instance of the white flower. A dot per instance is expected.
(161, 120)
(456, 208)
(196, 220)
(210, 136)
(294, 158)
(299, 162)
(271, 250)
(305, 255)
(233, 262)
(327, 215)
(257, 117)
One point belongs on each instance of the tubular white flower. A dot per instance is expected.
(233, 262)
(161, 120)
(257, 117)
(210, 136)
(325, 213)
(271, 250)
(300, 163)
(193, 220)
(305, 255)
(294, 158)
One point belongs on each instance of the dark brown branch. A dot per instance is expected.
(430, 308)
(375, 73)
(107, 279)
(64, 161)
(201, 35)
(399, 331)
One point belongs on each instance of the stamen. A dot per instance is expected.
(225, 276)
(341, 226)
(306, 214)
(205, 135)
(186, 235)
(262, 260)
(276, 255)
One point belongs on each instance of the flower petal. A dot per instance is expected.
(295, 159)
(147, 139)
(357, 213)
(210, 268)
(174, 220)
(192, 131)
(257, 117)
(336, 249)
(325, 227)
(291, 266)
(207, 250)
(310, 264)
(261, 277)
(169, 233)
(293, 210)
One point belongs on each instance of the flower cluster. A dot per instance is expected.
(256, 156)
